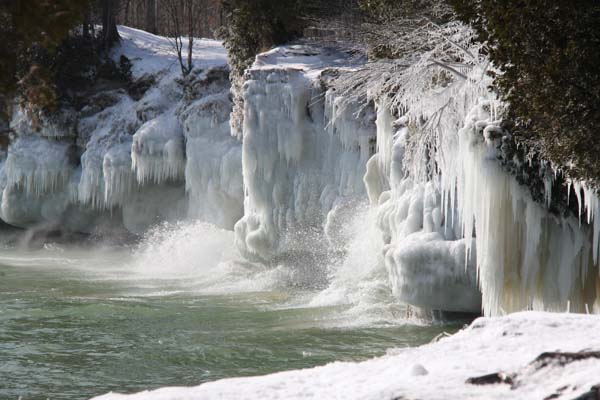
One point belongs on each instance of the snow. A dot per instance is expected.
(438, 370)
(311, 59)
(152, 54)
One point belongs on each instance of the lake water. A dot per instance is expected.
(180, 309)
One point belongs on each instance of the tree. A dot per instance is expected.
(255, 25)
(548, 53)
(184, 18)
(151, 6)
(110, 34)
(25, 24)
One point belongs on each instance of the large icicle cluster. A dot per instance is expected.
(453, 218)
(526, 256)
(37, 165)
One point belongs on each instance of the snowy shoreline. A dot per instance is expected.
(526, 355)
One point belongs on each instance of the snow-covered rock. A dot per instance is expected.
(528, 355)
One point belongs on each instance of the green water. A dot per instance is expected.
(77, 324)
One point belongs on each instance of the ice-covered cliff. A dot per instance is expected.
(127, 159)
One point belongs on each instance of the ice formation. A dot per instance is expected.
(459, 233)
(526, 257)
(301, 155)
(425, 257)
(213, 170)
(122, 158)
(37, 165)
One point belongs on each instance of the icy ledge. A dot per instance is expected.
(521, 356)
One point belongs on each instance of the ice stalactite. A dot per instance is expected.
(119, 180)
(37, 165)
(106, 163)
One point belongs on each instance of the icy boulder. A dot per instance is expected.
(428, 265)
(302, 155)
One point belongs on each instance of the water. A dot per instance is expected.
(75, 323)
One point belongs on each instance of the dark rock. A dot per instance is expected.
(592, 394)
(562, 359)
(139, 87)
(491, 379)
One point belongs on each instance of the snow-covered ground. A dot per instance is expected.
(528, 355)
(151, 54)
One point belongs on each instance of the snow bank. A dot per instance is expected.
(152, 54)
(509, 349)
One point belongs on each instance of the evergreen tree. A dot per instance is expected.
(255, 25)
(24, 25)
(549, 54)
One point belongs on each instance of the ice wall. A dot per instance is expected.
(213, 170)
(302, 156)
